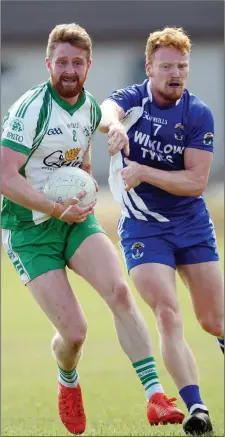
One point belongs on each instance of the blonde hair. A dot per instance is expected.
(71, 33)
(174, 37)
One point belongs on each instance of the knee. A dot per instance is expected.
(73, 337)
(169, 319)
(212, 325)
(120, 297)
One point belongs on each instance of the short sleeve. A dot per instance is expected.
(98, 117)
(201, 135)
(19, 127)
(126, 98)
(96, 114)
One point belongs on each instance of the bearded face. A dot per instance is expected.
(68, 85)
(168, 73)
(68, 70)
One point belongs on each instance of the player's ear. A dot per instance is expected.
(89, 64)
(48, 63)
(148, 69)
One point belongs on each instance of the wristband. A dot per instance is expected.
(56, 211)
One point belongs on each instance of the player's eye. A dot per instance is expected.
(62, 62)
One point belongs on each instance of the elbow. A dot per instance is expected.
(200, 187)
(6, 181)
(3, 182)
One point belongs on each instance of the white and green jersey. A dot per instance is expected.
(52, 133)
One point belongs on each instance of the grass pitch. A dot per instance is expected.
(114, 399)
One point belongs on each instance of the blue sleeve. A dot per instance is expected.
(201, 134)
(127, 98)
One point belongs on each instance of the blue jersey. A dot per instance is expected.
(158, 138)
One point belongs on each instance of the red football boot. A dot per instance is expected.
(71, 409)
(162, 410)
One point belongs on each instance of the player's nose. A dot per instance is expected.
(70, 68)
(175, 72)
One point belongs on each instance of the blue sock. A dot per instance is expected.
(220, 342)
(191, 397)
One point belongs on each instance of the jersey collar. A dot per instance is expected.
(65, 105)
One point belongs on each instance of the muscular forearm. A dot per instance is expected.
(19, 190)
(111, 114)
(180, 183)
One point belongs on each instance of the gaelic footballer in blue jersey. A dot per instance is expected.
(160, 139)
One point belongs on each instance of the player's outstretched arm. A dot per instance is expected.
(18, 189)
(112, 114)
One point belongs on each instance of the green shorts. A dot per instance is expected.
(47, 246)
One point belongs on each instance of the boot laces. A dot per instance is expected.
(164, 401)
(71, 404)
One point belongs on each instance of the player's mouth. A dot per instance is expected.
(174, 85)
(69, 80)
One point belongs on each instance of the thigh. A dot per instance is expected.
(205, 283)
(36, 250)
(78, 233)
(97, 261)
(54, 295)
(148, 250)
(157, 285)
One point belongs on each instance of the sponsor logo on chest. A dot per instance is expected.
(158, 148)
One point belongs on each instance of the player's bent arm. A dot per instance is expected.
(111, 114)
(189, 182)
(17, 189)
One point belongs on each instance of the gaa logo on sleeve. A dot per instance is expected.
(208, 139)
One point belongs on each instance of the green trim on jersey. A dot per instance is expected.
(15, 146)
(14, 216)
(34, 93)
(95, 113)
(65, 105)
(43, 119)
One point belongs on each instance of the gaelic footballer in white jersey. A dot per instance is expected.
(45, 127)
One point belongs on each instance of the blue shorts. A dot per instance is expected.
(191, 241)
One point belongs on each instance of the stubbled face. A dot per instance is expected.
(68, 70)
(168, 72)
